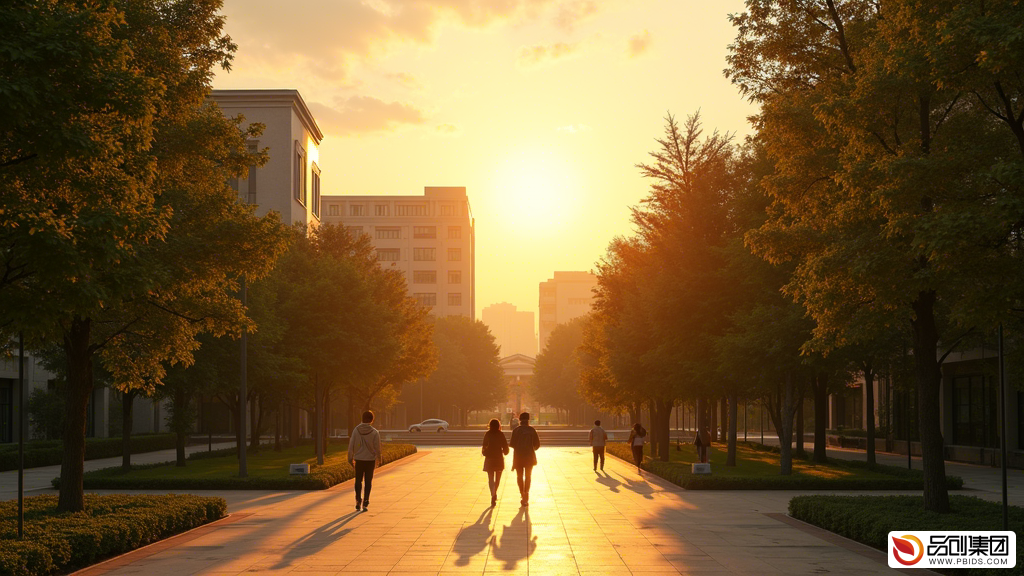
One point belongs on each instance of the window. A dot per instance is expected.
(425, 298)
(974, 411)
(316, 189)
(333, 209)
(411, 210)
(388, 254)
(447, 211)
(354, 231)
(579, 301)
(299, 175)
(454, 254)
(356, 210)
(254, 147)
(389, 233)
(424, 231)
(455, 276)
(424, 254)
(424, 276)
(380, 210)
(454, 233)
(455, 298)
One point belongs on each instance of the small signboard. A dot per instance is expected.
(298, 469)
(700, 468)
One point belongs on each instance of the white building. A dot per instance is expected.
(513, 329)
(430, 238)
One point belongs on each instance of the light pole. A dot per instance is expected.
(1002, 427)
(21, 435)
(243, 470)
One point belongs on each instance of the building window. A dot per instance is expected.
(389, 233)
(424, 276)
(455, 254)
(411, 210)
(579, 301)
(299, 175)
(425, 298)
(354, 231)
(254, 147)
(455, 298)
(454, 233)
(333, 209)
(455, 276)
(316, 190)
(380, 210)
(424, 254)
(424, 231)
(974, 412)
(388, 254)
(447, 211)
(355, 210)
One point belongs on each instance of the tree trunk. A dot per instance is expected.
(255, 411)
(327, 418)
(317, 419)
(127, 405)
(724, 411)
(820, 386)
(181, 400)
(79, 374)
(869, 425)
(929, 389)
(713, 407)
(664, 420)
(730, 459)
(277, 428)
(236, 414)
(782, 414)
(800, 429)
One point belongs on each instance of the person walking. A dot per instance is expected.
(525, 442)
(494, 449)
(637, 438)
(363, 455)
(698, 441)
(598, 439)
(705, 440)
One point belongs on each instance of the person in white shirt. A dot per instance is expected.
(637, 438)
(598, 439)
(364, 455)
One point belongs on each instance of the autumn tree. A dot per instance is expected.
(468, 374)
(556, 375)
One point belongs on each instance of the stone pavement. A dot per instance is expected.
(431, 515)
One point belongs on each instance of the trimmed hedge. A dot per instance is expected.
(109, 525)
(679, 474)
(869, 519)
(50, 452)
(319, 477)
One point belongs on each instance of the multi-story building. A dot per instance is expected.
(513, 329)
(430, 238)
(289, 183)
(566, 296)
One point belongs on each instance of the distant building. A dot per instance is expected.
(430, 238)
(566, 296)
(289, 183)
(513, 329)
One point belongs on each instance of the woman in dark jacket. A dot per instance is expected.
(494, 449)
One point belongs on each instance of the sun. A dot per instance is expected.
(533, 187)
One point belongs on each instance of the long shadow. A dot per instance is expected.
(517, 541)
(611, 483)
(639, 486)
(316, 540)
(473, 539)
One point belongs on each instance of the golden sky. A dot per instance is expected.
(541, 108)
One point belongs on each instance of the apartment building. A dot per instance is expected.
(566, 296)
(289, 183)
(513, 329)
(430, 238)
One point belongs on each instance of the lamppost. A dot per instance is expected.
(243, 470)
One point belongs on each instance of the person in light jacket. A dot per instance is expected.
(598, 439)
(494, 449)
(525, 442)
(364, 455)
(637, 438)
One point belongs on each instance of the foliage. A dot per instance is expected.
(46, 407)
(556, 375)
(49, 452)
(468, 374)
(112, 524)
(869, 519)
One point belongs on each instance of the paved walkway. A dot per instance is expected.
(431, 515)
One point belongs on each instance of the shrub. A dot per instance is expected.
(869, 519)
(50, 452)
(109, 525)
(47, 410)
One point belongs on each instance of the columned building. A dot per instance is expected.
(566, 296)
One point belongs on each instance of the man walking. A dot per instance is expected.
(363, 455)
(524, 442)
(598, 439)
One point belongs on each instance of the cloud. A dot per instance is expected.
(364, 114)
(573, 128)
(533, 55)
(571, 13)
(407, 80)
(639, 43)
(447, 128)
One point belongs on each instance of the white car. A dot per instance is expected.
(433, 424)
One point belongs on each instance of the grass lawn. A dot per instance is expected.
(265, 464)
(753, 462)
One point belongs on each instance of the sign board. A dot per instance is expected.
(298, 469)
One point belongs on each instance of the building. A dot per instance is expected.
(513, 329)
(566, 296)
(518, 372)
(430, 238)
(289, 183)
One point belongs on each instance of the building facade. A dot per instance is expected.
(513, 329)
(289, 183)
(430, 238)
(566, 296)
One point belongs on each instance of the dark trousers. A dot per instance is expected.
(523, 479)
(364, 471)
(599, 453)
(638, 455)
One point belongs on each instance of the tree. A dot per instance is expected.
(468, 373)
(556, 375)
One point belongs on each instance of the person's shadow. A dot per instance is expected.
(473, 539)
(517, 542)
(640, 487)
(316, 540)
(608, 481)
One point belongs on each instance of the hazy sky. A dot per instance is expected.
(541, 108)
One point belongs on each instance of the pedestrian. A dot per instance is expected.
(513, 422)
(637, 438)
(363, 455)
(706, 441)
(525, 442)
(698, 442)
(598, 439)
(494, 449)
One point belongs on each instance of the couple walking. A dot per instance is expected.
(524, 442)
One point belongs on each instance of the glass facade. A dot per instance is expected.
(975, 416)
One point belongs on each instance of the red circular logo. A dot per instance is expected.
(905, 546)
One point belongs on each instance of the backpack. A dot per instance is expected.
(643, 432)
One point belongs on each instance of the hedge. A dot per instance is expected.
(319, 477)
(869, 519)
(679, 473)
(50, 452)
(109, 525)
